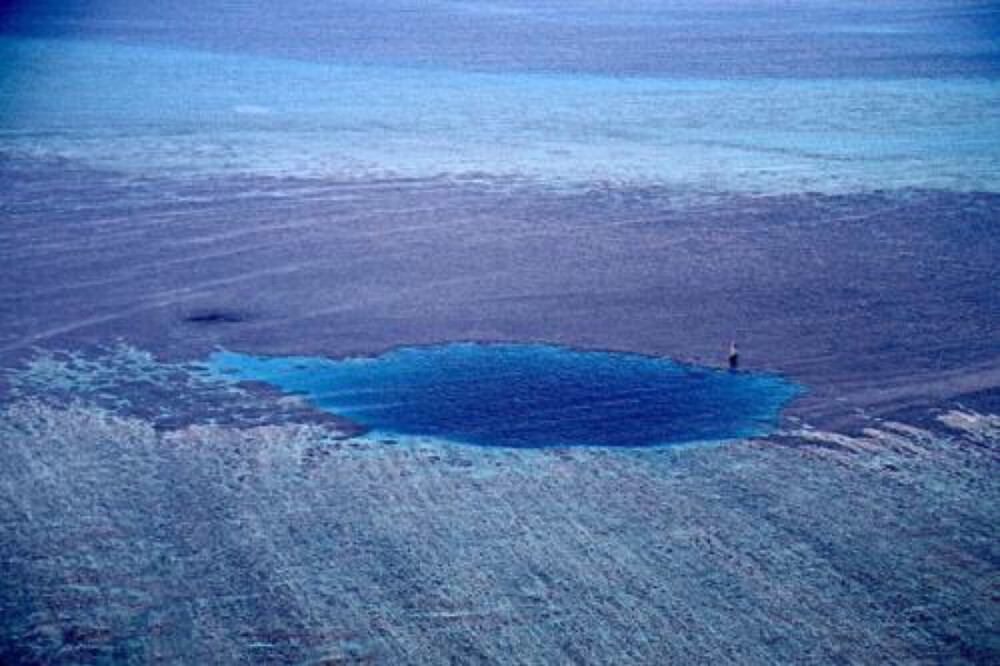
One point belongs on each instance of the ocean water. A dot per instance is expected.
(721, 39)
(526, 395)
(735, 98)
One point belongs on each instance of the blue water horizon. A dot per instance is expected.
(526, 395)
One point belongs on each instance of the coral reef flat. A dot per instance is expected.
(151, 514)
(341, 182)
(872, 300)
(154, 513)
(124, 542)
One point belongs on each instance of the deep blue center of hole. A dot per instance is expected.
(527, 395)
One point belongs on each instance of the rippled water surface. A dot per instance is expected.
(735, 96)
(149, 110)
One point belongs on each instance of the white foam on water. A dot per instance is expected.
(251, 110)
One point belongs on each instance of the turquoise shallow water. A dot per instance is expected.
(150, 110)
(526, 395)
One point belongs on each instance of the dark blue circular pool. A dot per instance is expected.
(526, 395)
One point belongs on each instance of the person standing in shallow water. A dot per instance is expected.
(734, 356)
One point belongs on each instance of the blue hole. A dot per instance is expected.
(527, 395)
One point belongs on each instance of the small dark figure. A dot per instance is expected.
(734, 356)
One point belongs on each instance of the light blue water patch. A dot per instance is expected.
(526, 395)
(156, 110)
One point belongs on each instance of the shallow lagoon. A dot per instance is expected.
(526, 395)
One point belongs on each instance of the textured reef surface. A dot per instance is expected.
(128, 539)
(153, 512)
